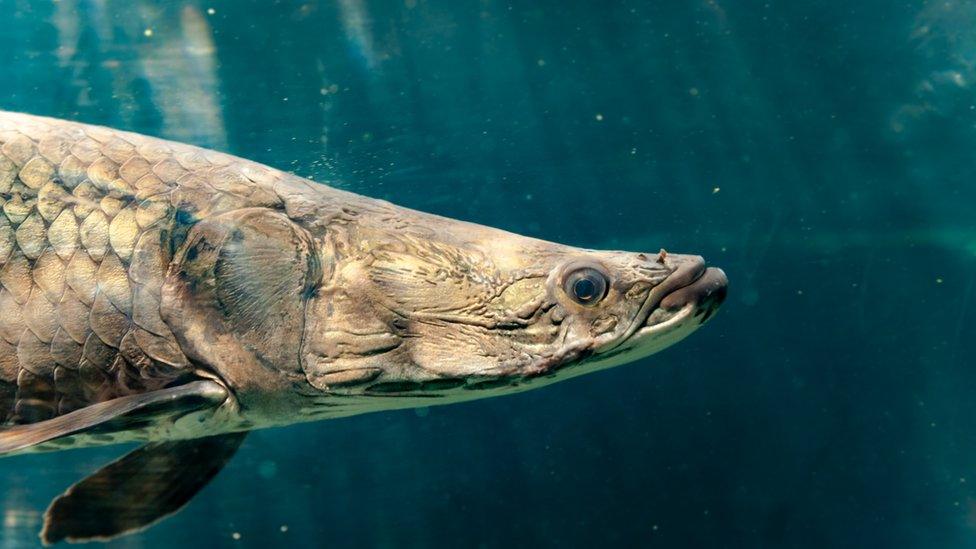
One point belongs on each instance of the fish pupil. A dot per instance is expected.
(585, 289)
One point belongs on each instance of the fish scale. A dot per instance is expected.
(84, 213)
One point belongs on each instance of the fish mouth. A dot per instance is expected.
(675, 308)
(704, 294)
(692, 290)
(688, 298)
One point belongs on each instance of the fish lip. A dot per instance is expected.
(688, 270)
(706, 292)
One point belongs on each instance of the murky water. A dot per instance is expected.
(821, 152)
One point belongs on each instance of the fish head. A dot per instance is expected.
(610, 308)
(401, 309)
(474, 312)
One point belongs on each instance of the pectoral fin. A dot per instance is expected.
(142, 487)
(115, 415)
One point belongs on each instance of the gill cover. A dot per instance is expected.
(235, 296)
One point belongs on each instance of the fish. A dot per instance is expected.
(179, 297)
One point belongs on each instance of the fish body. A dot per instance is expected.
(159, 292)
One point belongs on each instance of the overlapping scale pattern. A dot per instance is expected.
(86, 218)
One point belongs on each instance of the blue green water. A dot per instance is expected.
(822, 152)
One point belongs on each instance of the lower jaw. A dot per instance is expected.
(658, 317)
(668, 328)
(663, 322)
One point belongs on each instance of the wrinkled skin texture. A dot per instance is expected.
(128, 264)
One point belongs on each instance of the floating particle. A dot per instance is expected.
(284, 528)
(236, 535)
(693, 92)
(541, 62)
(147, 33)
(599, 117)
(211, 11)
(716, 190)
(938, 280)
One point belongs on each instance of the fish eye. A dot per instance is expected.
(586, 286)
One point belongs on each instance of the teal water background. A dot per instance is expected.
(822, 152)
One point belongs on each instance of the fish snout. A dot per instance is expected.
(694, 283)
(706, 289)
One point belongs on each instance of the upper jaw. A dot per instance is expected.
(706, 293)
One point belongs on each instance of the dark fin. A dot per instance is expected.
(115, 415)
(144, 486)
